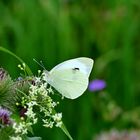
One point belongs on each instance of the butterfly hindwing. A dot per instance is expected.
(69, 83)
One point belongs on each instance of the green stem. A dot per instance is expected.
(28, 70)
(64, 129)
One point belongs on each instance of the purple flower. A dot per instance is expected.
(3, 73)
(97, 85)
(5, 116)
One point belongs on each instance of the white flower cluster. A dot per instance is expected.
(40, 96)
(46, 104)
(20, 129)
(37, 103)
(16, 138)
(57, 118)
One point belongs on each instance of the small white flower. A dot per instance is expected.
(59, 124)
(16, 138)
(31, 104)
(33, 89)
(48, 124)
(35, 120)
(46, 113)
(57, 117)
(44, 76)
(24, 131)
(20, 128)
(30, 113)
(42, 109)
(42, 90)
(50, 90)
(54, 104)
(37, 79)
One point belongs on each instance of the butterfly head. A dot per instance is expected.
(46, 75)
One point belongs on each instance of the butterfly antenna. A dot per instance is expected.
(40, 64)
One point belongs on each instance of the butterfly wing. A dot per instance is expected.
(83, 63)
(70, 78)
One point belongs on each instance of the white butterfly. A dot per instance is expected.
(70, 78)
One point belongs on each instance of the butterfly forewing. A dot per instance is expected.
(84, 64)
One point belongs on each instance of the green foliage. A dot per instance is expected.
(5, 133)
(8, 100)
(64, 129)
(7, 93)
(56, 30)
(27, 69)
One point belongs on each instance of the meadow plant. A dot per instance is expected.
(24, 102)
(33, 100)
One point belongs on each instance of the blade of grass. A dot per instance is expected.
(28, 70)
(64, 129)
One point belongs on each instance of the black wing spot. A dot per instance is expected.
(76, 69)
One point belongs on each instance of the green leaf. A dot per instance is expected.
(30, 129)
(7, 94)
(64, 129)
(5, 133)
(28, 70)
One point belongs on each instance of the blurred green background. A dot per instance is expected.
(57, 30)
